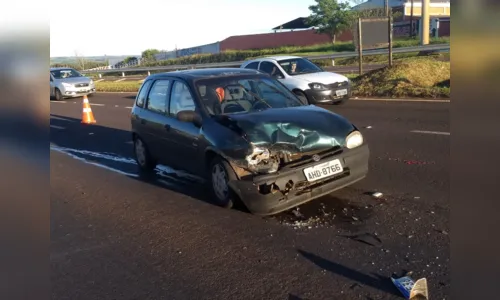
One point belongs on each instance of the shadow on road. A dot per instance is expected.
(112, 149)
(378, 282)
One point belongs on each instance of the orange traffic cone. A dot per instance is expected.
(87, 115)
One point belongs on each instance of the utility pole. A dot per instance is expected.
(411, 20)
(424, 30)
(386, 7)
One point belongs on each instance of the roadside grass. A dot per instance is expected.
(413, 78)
(418, 77)
(121, 86)
(241, 55)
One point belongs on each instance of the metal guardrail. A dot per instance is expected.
(436, 47)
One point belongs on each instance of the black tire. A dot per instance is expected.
(226, 200)
(145, 162)
(57, 95)
(302, 96)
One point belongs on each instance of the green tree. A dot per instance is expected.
(149, 55)
(331, 17)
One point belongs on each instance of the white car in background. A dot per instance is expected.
(68, 82)
(309, 82)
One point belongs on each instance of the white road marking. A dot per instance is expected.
(431, 132)
(130, 107)
(57, 127)
(97, 104)
(120, 80)
(62, 119)
(400, 100)
(55, 101)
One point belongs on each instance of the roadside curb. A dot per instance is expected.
(400, 99)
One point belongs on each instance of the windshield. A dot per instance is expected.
(297, 66)
(222, 96)
(65, 73)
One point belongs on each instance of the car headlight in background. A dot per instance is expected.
(67, 85)
(354, 139)
(317, 86)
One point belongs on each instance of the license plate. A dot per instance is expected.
(341, 92)
(323, 170)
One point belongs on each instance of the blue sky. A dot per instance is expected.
(102, 27)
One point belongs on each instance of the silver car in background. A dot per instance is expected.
(68, 82)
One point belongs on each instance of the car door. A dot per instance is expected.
(184, 135)
(52, 86)
(155, 121)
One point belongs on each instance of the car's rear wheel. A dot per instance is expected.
(302, 96)
(142, 155)
(220, 175)
(58, 95)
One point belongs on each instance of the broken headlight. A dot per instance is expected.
(354, 139)
(261, 160)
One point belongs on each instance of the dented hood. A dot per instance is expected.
(298, 129)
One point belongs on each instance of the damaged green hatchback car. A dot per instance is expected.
(248, 135)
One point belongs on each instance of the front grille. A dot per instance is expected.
(307, 158)
(338, 84)
(81, 84)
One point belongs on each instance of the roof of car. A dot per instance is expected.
(277, 58)
(60, 68)
(207, 73)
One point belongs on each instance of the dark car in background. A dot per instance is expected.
(248, 135)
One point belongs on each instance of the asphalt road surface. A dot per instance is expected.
(117, 235)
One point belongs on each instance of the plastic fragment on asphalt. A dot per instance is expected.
(412, 289)
(368, 127)
(377, 194)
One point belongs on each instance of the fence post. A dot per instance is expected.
(390, 40)
(360, 48)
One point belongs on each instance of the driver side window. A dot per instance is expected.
(270, 69)
(181, 98)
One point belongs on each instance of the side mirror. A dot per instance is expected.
(190, 117)
(278, 76)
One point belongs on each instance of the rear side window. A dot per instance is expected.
(252, 65)
(158, 97)
(143, 93)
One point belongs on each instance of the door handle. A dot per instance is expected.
(167, 127)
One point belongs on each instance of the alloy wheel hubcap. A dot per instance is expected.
(219, 182)
(140, 152)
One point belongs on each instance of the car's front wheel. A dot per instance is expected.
(220, 175)
(302, 96)
(142, 155)
(58, 95)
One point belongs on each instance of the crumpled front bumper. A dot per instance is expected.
(254, 193)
